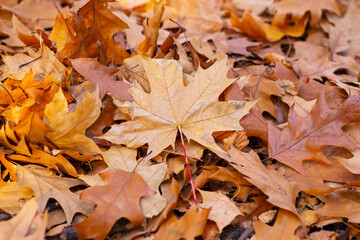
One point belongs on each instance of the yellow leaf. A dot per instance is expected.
(68, 129)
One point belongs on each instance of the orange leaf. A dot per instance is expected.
(284, 228)
(189, 226)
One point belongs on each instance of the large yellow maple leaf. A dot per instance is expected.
(171, 106)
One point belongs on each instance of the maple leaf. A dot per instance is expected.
(171, 106)
(89, 32)
(305, 137)
(68, 129)
(43, 62)
(40, 157)
(46, 185)
(119, 197)
(281, 192)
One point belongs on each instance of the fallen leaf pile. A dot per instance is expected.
(164, 119)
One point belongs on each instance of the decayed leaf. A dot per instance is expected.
(170, 105)
(281, 192)
(189, 226)
(18, 227)
(222, 210)
(46, 185)
(119, 197)
(10, 195)
(305, 137)
(68, 129)
(100, 75)
(284, 228)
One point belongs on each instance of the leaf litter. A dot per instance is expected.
(162, 119)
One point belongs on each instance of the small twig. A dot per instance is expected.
(7, 92)
(24, 64)
(261, 77)
(188, 167)
(247, 233)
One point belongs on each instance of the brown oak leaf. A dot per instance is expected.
(305, 137)
(119, 197)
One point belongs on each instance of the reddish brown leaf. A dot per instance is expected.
(100, 75)
(305, 137)
(119, 197)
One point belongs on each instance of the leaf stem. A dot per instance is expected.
(188, 167)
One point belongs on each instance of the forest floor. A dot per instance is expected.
(178, 119)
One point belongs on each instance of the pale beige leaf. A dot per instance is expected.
(158, 115)
(46, 185)
(47, 64)
(17, 227)
(222, 210)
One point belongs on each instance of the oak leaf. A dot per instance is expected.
(119, 197)
(19, 226)
(284, 228)
(341, 203)
(189, 226)
(343, 34)
(255, 28)
(298, 8)
(222, 210)
(171, 106)
(281, 192)
(46, 185)
(10, 195)
(305, 137)
(68, 129)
